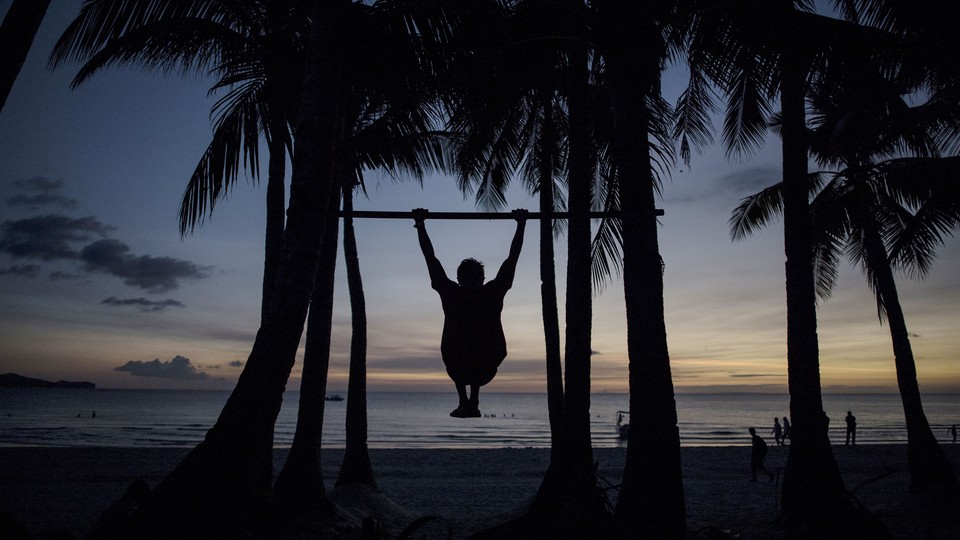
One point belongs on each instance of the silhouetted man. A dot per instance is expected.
(851, 428)
(473, 344)
(758, 452)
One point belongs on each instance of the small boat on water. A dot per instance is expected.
(623, 428)
(334, 397)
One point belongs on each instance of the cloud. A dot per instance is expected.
(142, 304)
(750, 180)
(153, 274)
(49, 237)
(64, 276)
(236, 363)
(86, 239)
(25, 270)
(733, 186)
(751, 375)
(43, 193)
(34, 202)
(38, 183)
(178, 368)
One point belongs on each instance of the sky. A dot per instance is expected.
(97, 284)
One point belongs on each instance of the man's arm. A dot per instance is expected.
(437, 274)
(509, 266)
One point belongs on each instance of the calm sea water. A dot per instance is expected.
(49, 417)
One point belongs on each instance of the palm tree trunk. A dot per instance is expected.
(300, 480)
(356, 467)
(930, 470)
(813, 490)
(217, 485)
(569, 500)
(19, 27)
(276, 200)
(651, 500)
(548, 280)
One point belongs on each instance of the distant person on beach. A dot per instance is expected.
(472, 345)
(851, 428)
(953, 433)
(777, 432)
(786, 429)
(758, 453)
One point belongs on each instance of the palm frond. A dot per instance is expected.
(756, 211)
(606, 249)
(694, 106)
(101, 21)
(184, 45)
(746, 118)
(235, 143)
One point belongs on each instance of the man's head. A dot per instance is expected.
(752, 431)
(470, 273)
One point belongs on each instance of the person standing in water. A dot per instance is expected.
(473, 344)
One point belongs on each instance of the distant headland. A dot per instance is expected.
(12, 380)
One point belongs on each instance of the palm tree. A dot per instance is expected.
(635, 43)
(385, 124)
(356, 467)
(218, 482)
(300, 480)
(17, 31)
(254, 48)
(756, 51)
(223, 475)
(903, 203)
(570, 481)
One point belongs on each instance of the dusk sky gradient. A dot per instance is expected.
(96, 283)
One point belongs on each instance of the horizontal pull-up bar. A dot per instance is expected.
(384, 214)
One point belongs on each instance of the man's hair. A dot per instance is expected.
(470, 272)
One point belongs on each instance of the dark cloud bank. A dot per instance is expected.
(85, 240)
(178, 368)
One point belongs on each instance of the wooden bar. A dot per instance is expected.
(388, 214)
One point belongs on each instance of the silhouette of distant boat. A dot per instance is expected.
(334, 397)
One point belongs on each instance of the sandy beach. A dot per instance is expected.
(66, 489)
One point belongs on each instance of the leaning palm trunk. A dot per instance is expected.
(276, 200)
(356, 467)
(300, 480)
(930, 470)
(19, 27)
(651, 500)
(813, 491)
(217, 485)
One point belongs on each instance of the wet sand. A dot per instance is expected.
(66, 489)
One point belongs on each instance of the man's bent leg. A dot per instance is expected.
(473, 407)
(464, 406)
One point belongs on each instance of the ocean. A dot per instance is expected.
(180, 418)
